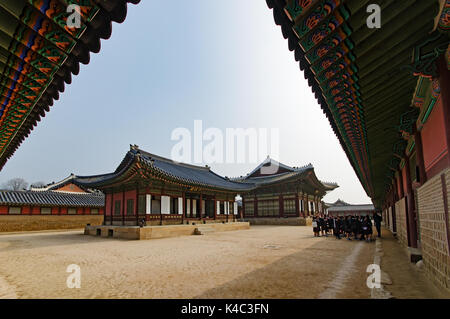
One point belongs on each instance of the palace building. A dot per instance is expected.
(64, 204)
(386, 94)
(280, 192)
(161, 191)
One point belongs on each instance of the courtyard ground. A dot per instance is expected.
(262, 262)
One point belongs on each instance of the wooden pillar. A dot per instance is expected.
(297, 205)
(136, 204)
(281, 205)
(200, 206)
(123, 207)
(444, 82)
(160, 207)
(400, 179)
(112, 207)
(306, 204)
(411, 208)
(255, 206)
(422, 178)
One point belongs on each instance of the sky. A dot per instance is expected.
(169, 64)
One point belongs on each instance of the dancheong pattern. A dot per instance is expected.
(364, 78)
(39, 52)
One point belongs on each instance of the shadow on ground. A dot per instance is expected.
(304, 274)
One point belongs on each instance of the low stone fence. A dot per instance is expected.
(12, 223)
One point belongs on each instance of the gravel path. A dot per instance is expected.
(262, 262)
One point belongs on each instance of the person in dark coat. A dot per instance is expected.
(355, 227)
(316, 226)
(338, 227)
(377, 219)
(369, 230)
(330, 222)
(322, 225)
(348, 227)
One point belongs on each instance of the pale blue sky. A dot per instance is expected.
(173, 62)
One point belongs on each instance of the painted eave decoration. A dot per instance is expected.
(364, 79)
(39, 53)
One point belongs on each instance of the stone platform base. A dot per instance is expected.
(163, 231)
(291, 221)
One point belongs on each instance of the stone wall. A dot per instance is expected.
(433, 229)
(154, 232)
(11, 223)
(400, 214)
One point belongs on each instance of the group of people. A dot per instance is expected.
(350, 227)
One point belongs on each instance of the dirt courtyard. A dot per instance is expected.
(262, 262)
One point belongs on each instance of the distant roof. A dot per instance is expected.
(349, 207)
(339, 202)
(54, 186)
(271, 171)
(51, 198)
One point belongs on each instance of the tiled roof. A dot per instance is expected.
(51, 199)
(177, 172)
(137, 159)
(351, 208)
(39, 53)
(364, 78)
(281, 172)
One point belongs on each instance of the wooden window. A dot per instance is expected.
(117, 207)
(249, 209)
(156, 205)
(72, 211)
(174, 205)
(268, 208)
(289, 206)
(94, 211)
(46, 210)
(15, 210)
(130, 207)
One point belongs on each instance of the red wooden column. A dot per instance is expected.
(306, 205)
(123, 206)
(255, 206)
(183, 216)
(422, 178)
(400, 179)
(136, 204)
(112, 207)
(444, 82)
(297, 205)
(200, 206)
(411, 207)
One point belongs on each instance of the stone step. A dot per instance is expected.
(203, 230)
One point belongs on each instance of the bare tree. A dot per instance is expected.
(16, 184)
